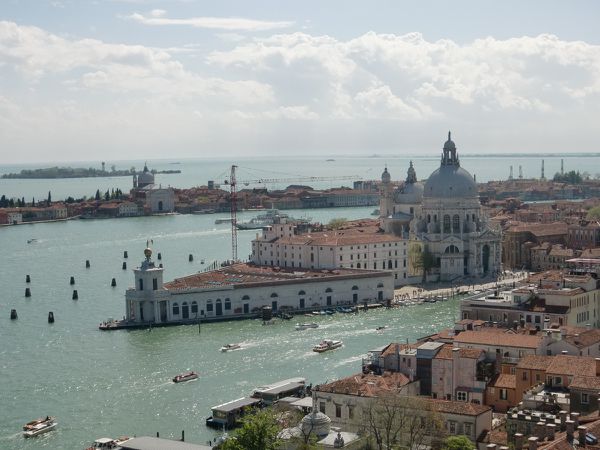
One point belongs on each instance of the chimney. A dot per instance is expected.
(519, 441)
(575, 419)
(455, 369)
(570, 429)
(540, 430)
(563, 420)
(563, 332)
(598, 367)
(550, 430)
(581, 432)
(533, 443)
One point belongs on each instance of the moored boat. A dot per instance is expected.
(306, 326)
(229, 347)
(39, 426)
(187, 376)
(327, 344)
(108, 443)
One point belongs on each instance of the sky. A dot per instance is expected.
(89, 80)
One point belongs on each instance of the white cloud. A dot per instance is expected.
(217, 23)
(372, 93)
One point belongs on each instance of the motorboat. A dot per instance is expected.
(229, 347)
(306, 326)
(108, 443)
(187, 376)
(380, 328)
(327, 344)
(39, 426)
(31, 241)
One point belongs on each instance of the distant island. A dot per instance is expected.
(70, 172)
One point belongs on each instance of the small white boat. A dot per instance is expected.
(229, 347)
(187, 376)
(39, 426)
(108, 443)
(327, 344)
(306, 326)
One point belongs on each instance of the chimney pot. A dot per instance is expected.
(519, 441)
(550, 430)
(575, 418)
(533, 443)
(582, 431)
(570, 428)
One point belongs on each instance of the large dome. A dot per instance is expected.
(450, 180)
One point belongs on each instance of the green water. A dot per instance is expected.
(118, 383)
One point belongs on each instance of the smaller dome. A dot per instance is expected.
(410, 193)
(148, 253)
(317, 423)
(385, 176)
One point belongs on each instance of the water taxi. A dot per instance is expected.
(39, 426)
(229, 347)
(187, 376)
(306, 326)
(326, 345)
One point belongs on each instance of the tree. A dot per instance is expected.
(394, 420)
(97, 195)
(49, 201)
(107, 195)
(594, 213)
(258, 432)
(335, 224)
(460, 442)
(422, 259)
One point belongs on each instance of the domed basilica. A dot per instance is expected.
(442, 218)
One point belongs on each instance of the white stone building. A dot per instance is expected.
(444, 218)
(241, 290)
(155, 198)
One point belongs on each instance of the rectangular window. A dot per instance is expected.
(468, 430)
(322, 407)
(350, 412)
(338, 410)
(461, 396)
(154, 284)
(524, 376)
(584, 399)
(503, 394)
(452, 427)
(141, 284)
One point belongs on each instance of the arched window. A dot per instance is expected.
(175, 309)
(455, 223)
(428, 218)
(446, 223)
(301, 293)
(380, 285)
(358, 265)
(328, 290)
(451, 249)
(194, 307)
(274, 294)
(246, 297)
(355, 288)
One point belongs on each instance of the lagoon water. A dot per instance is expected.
(118, 383)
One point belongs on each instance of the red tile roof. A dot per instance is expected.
(499, 339)
(367, 385)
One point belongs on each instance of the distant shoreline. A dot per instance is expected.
(53, 173)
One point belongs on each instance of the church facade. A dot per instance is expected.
(449, 235)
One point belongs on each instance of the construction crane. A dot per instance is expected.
(233, 182)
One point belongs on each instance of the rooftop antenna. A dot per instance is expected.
(562, 167)
(510, 177)
(520, 172)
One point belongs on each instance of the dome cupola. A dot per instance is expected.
(450, 180)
